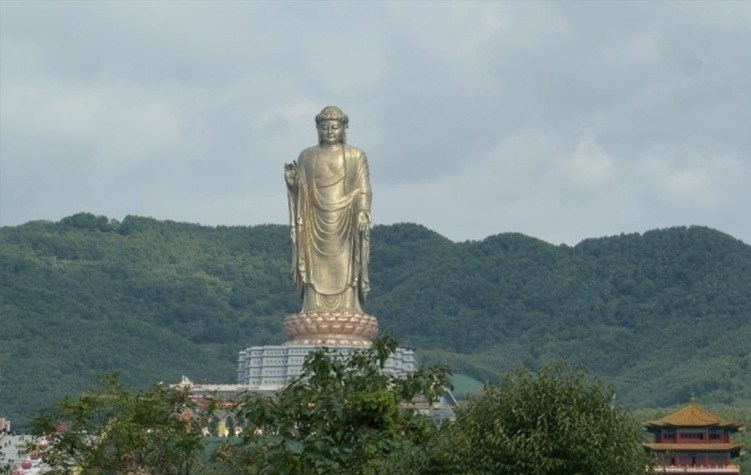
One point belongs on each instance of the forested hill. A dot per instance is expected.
(663, 315)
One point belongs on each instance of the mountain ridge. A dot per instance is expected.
(663, 315)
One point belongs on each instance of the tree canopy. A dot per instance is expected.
(111, 430)
(342, 415)
(556, 421)
(345, 415)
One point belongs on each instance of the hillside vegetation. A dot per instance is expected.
(663, 315)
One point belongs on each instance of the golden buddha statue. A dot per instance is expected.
(329, 205)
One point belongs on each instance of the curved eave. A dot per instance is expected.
(734, 449)
(732, 426)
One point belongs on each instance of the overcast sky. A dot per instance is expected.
(560, 120)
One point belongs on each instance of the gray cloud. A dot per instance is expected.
(558, 120)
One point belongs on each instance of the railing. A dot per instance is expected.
(698, 469)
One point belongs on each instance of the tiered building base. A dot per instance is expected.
(270, 367)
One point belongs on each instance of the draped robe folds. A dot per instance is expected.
(330, 255)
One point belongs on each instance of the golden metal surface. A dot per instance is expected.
(329, 205)
(329, 195)
(330, 328)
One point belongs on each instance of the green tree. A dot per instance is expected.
(343, 414)
(111, 430)
(554, 422)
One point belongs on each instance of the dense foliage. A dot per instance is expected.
(339, 416)
(556, 421)
(344, 415)
(663, 315)
(111, 430)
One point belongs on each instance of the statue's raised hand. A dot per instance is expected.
(290, 174)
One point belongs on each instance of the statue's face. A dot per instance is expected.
(330, 132)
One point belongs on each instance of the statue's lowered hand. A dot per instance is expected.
(363, 221)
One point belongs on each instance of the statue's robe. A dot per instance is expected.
(330, 255)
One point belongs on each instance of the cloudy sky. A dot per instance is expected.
(560, 120)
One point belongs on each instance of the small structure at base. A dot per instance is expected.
(693, 440)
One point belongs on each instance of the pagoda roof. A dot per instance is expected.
(692, 416)
(693, 447)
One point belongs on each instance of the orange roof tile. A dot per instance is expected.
(692, 416)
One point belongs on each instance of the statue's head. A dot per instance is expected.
(332, 124)
(332, 113)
